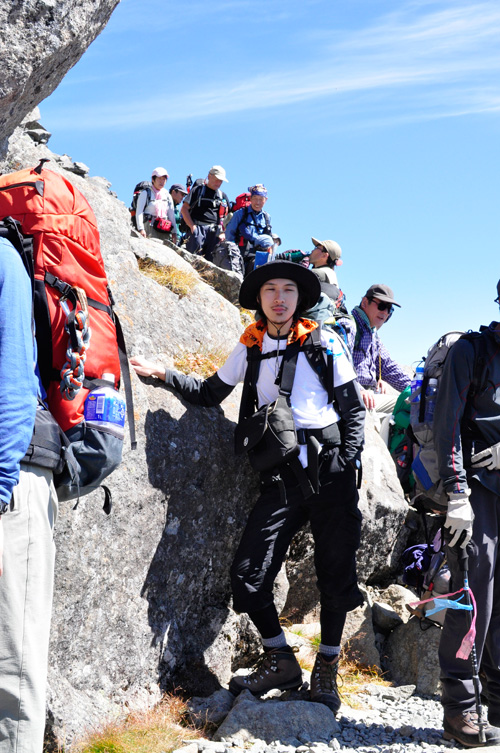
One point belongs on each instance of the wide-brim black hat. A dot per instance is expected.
(307, 282)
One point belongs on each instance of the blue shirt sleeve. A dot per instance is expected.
(232, 226)
(18, 383)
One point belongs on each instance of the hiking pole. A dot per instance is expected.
(463, 559)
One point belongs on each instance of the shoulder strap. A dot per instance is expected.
(321, 361)
(479, 343)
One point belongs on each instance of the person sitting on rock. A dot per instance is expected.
(250, 227)
(316, 485)
(155, 209)
(374, 366)
(325, 256)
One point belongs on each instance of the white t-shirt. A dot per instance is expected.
(309, 400)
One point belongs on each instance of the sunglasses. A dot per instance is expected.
(383, 306)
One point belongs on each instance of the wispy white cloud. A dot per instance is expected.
(442, 58)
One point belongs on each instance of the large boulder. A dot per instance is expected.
(41, 41)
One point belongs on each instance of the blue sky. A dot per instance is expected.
(372, 123)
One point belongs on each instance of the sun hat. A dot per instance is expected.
(497, 300)
(331, 247)
(159, 172)
(307, 282)
(219, 172)
(383, 293)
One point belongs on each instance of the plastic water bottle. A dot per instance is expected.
(430, 401)
(416, 384)
(105, 408)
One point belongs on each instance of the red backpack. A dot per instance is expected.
(77, 332)
(241, 201)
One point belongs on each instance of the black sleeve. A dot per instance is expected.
(204, 392)
(352, 411)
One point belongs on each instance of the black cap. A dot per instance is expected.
(307, 282)
(178, 187)
(498, 293)
(383, 293)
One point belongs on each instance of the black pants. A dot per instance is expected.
(484, 581)
(336, 528)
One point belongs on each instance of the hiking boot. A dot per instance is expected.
(324, 683)
(277, 668)
(464, 728)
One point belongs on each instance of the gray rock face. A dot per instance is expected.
(292, 723)
(412, 656)
(41, 41)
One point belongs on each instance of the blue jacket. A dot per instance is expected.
(252, 226)
(18, 383)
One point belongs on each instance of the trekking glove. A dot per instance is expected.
(489, 458)
(459, 518)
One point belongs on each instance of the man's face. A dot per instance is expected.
(213, 182)
(318, 256)
(257, 202)
(177, 196)
(375, 315)
(278, 299)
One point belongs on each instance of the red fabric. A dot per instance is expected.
(66, 244)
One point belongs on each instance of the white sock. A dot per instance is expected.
(279, 641)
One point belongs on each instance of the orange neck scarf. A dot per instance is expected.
(254, 333)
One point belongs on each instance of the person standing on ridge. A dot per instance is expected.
(467, 441)
(317, 485)
(155, 209)
(203, 210)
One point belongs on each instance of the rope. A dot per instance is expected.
(73, 371)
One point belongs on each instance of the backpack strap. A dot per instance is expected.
(320, 359)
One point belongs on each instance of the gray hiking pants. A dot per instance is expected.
(25, 610)
(484, 581)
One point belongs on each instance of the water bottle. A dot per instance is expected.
(430, 401)
(105, 408)
(416, 384)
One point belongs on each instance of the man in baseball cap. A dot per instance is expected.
(374, 366)
(325, 256)
(203, 210)
(177, 192)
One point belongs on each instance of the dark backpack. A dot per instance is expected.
(79, 338)
(144, 185)
(428, 491)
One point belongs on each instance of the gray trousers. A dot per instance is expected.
(484, 581)
(25, 610)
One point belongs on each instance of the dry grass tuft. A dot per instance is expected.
(204, 362)
(159, 730)
(246, 316)
(179, 282)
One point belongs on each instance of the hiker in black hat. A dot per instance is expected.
(467, 441)
(374, 366)
(309, 475)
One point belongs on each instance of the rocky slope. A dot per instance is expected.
(142, 597)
